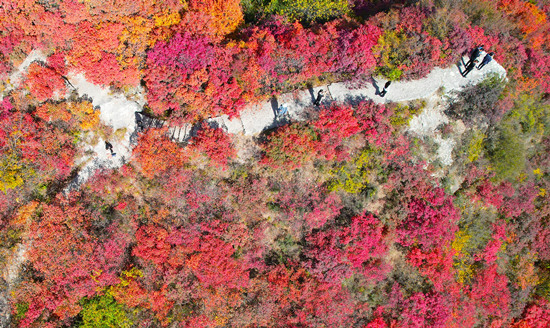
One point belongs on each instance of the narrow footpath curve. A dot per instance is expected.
(258, 117)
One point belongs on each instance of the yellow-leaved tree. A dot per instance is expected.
(310, 10)
(226, 15)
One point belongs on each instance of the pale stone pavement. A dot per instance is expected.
(258, 117)
(117, 111)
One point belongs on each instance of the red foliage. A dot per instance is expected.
(539, 68)
(290, 146)
(209, 258)
(377, 323)
(71, 261)
(324, 138)
(216, 144)
(418, 310)
(436, 265)
(56, 62)
(152, 245)
(490, 293)
(93, 52)
(294, 298)
(375, 122)
(523, 201)
(425, 310)
(431, 220)
(303, 206)
(527, 15)
(203, 243)
(337, 254)
(334, 125)
(323, 211)
(285, 54)
(536, 315)
(46, 149)
(354, 54)
(43, 82)
(156, 154)
(192, 76)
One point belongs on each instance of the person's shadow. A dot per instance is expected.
(311, 92)
(459, 67)
(375, 85)
(464, 65)
(274, 106)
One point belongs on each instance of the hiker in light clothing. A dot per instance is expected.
(282, 110)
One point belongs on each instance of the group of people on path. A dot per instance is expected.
(474, 60)
(469, 66)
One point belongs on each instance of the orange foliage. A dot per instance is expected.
(24, 214)
(73, 12)
(527, 15)
(79, 115)
(226, 15)
(134, 40)
(53, 112)
(197, 23)
(111, 9)
(155, 154)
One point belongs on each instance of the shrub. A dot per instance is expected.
(104, 312)
(479, 100)
(390, 55)
(353, 176)
(309, 11)
(290, 146)
(216, 144)
(475, 145)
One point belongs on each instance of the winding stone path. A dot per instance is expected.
(256, 118)
(118, 111)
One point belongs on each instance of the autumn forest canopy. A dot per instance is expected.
(343, 218)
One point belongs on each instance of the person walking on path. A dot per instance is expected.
(384, 91)
(469, 68)
(139, 121)
(486, 60)
(282, 110)
(109, 147)
(320, 96)
(473, 56)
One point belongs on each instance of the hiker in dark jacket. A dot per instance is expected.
(384, 91)
(473, 56)
(109, 147)
(320, 95)
(486, 60)
(470, 67)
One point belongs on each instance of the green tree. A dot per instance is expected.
(104, 312)
(508, 154)
(306, 11)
